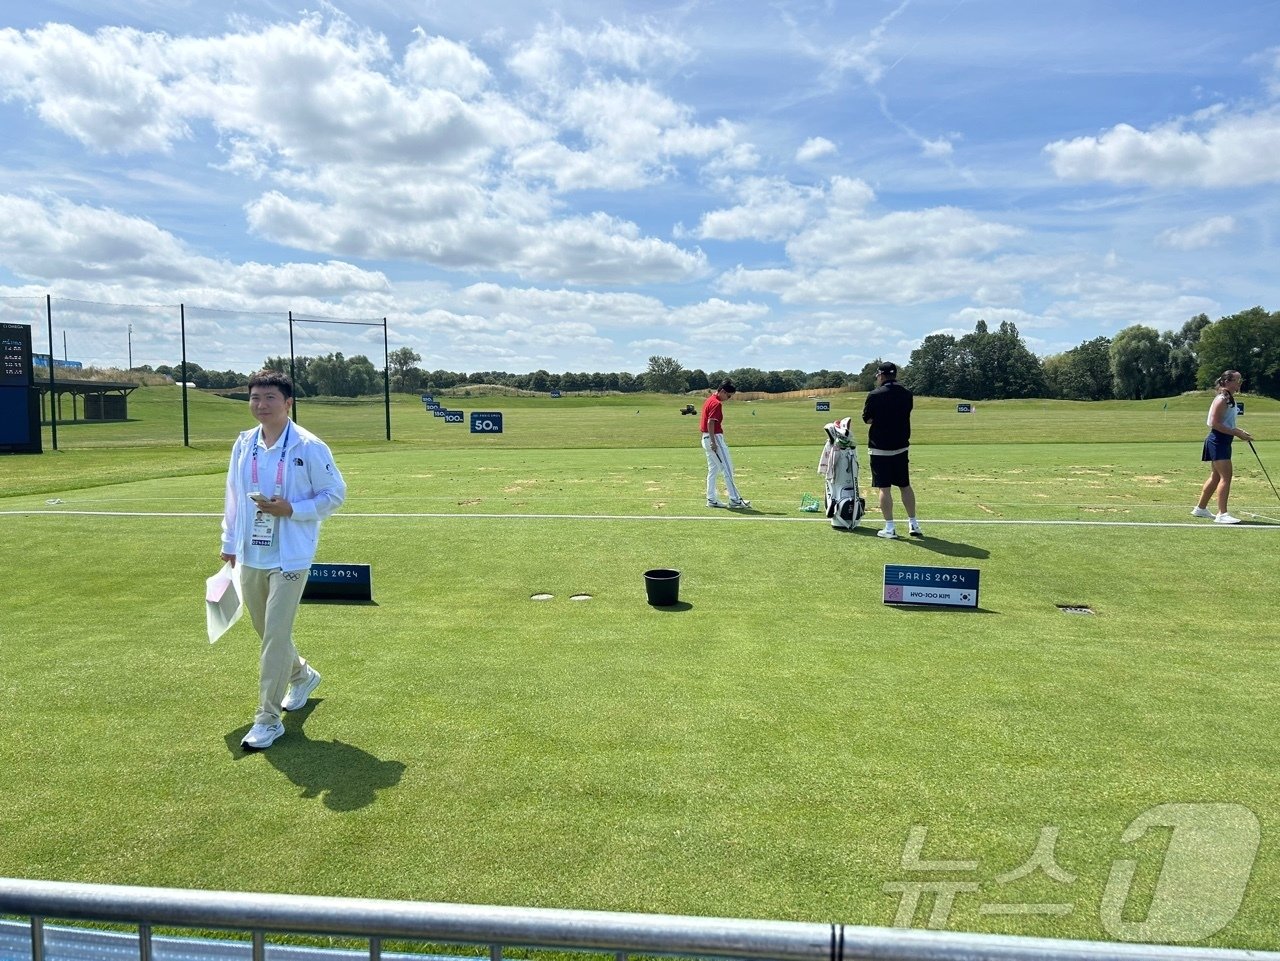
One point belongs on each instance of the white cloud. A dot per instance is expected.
(559, 55)
(815, 148)
(371, 159)
(1206, 233)
(631, 132)
(770, 209)
(845, 255)
(90, 250)
(440, 63)
(112, 91)
(1232, 150)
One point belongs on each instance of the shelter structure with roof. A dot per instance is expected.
(93, 400)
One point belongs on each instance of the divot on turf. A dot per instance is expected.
(1075, 609)
(541, 597)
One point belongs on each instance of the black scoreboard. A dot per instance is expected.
(19, 399)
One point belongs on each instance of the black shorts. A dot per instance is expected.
(890, 470)
(1217, 446)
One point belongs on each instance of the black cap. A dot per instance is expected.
(888, 369)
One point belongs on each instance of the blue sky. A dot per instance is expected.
(580, 185)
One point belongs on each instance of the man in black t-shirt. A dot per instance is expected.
(888, 411)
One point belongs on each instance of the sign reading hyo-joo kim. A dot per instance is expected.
(939, 586)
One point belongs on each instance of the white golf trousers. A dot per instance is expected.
(719, 462)
(272, 598)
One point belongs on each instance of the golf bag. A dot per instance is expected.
(839, 465)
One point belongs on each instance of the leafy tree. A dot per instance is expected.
(1139, 363)
(698, 380)
(792, 379)
(665, 375)
(1248, 342)
(933, 367)
(1011, 369)
(1081, 373)
(403, 359)
(747, 379)
(337, 376)
(866, 379)
(406, 376)
(825, 379)
(303, 386)
(1189, 335)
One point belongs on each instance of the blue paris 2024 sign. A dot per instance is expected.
(822, 405)
(486, 422)
(339, 582)
(939, 586)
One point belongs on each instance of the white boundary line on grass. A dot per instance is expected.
(722, 518)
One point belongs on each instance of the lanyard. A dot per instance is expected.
(284, 443)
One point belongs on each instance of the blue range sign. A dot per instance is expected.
(486, 422)
(822, 405)
(453, 417)
(964, 408)
(938, 586)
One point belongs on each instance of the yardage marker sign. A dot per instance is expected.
(935, 586)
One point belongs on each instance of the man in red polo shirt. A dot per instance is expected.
(718, 459)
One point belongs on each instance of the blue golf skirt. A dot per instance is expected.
(1217, 446)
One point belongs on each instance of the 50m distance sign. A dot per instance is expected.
(486, 422)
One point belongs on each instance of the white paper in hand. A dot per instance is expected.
(222, 605)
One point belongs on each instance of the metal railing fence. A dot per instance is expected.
(498, 928)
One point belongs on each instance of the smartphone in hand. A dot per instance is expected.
(258, 497)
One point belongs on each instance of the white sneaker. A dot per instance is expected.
(262, 736)
(1200, 512)
(1225, 518)
(298, 693)
(740, 504)
(887, 532)
(915, 531)
(716, 504)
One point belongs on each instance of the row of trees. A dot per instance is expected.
(663, 375)
(1139, 362)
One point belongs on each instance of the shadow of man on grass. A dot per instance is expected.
(949, 548)
(344, 776)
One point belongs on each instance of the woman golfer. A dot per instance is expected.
(1217, 447)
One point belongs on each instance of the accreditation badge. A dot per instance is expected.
(264, 529)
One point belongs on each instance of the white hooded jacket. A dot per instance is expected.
(312, 484)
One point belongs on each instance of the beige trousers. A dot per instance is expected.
(272, 598)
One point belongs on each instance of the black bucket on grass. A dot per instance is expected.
(662, 587)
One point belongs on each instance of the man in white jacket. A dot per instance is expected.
(281, 483)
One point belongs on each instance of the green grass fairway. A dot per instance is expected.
(764, 749)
